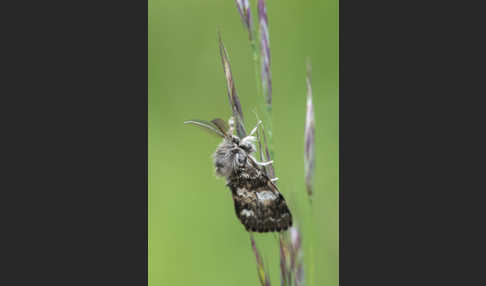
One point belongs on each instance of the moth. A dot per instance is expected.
(259, 205)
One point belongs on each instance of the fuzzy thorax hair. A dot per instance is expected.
(233, 154)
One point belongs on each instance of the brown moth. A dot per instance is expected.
(259, 205)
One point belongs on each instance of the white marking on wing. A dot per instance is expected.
(241, 192)
(246, 213)
(266, 195)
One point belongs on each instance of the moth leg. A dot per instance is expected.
(250, 138)
(231, 123)
(274, 179)
(261, 163)
(255, 129)
(264, 163)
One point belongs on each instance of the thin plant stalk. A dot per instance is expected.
(262, 273)
(309, 159)
(311, 247)
(265, 75)
(284, 273)
(260, 63)
(261, 60)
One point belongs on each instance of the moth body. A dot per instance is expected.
(258, 204)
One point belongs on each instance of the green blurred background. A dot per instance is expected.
(194, 235)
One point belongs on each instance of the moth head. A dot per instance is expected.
(219, 128)
(247, 144)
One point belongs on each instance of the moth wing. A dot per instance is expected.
(213, 128)
(261, 209)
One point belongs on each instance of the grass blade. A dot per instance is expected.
(231, 88)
